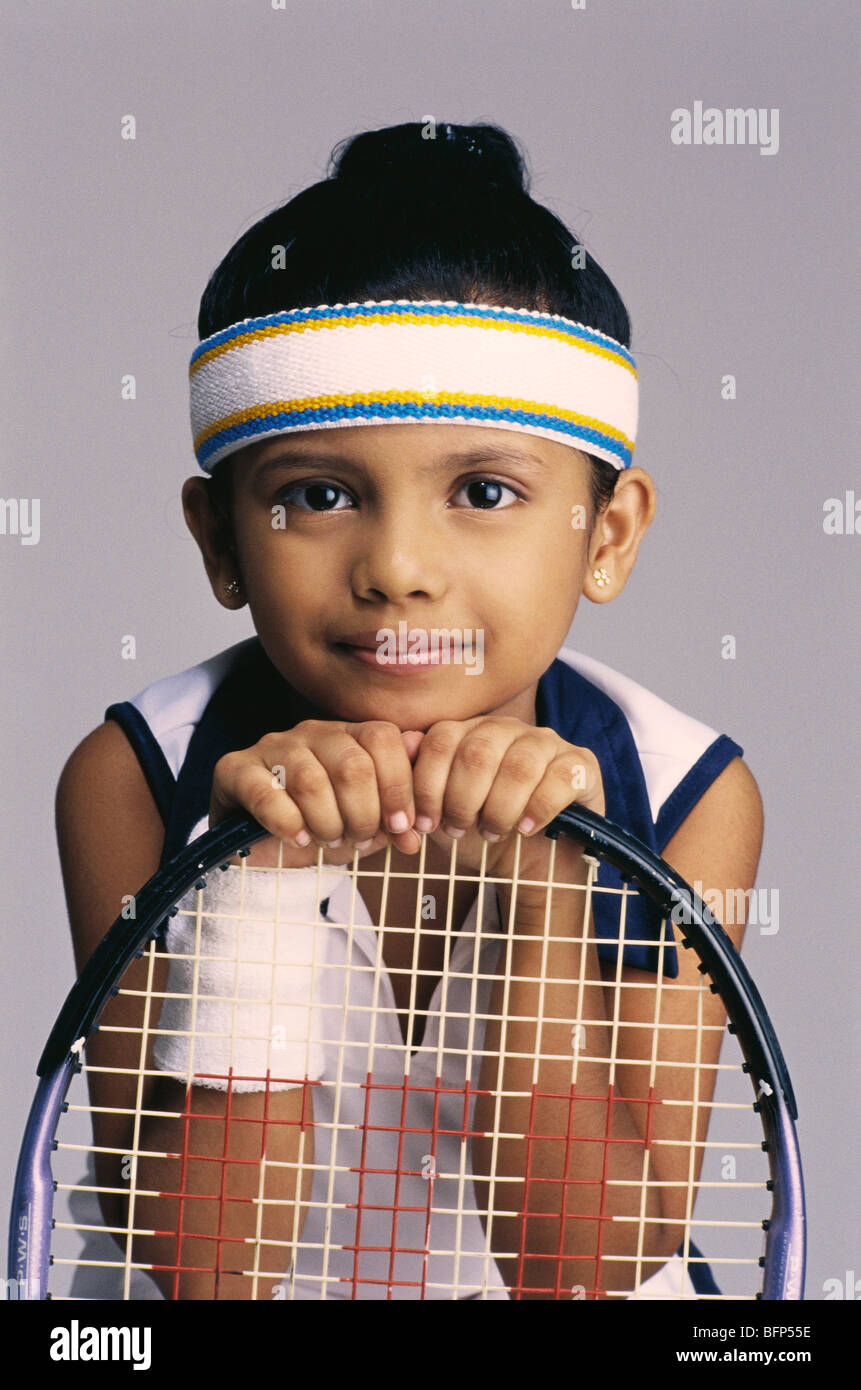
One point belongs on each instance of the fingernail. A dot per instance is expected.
(423, 824)
(453, 831)
(303, 839)
(363, 844)
(491, 835)
(399, 821)
(526, 825)
(333, 844)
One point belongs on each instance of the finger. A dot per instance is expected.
(477, 764)
(410, 842)
(304, 780)
(574, 775)
(431, 771)
(384, 743)
(343, 853)
(521, 768)
(242, 779)
(352, 776)
(412, 742)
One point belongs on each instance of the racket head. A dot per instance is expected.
(765, 1164)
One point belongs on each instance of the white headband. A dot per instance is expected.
(401, 361)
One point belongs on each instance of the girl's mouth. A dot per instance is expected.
(402, 664)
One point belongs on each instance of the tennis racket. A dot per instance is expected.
(282, 1112)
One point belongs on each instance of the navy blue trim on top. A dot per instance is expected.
(149, 752)
(700, 1275)
(686, 795)
(583, 714)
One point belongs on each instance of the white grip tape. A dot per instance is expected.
(246, 981)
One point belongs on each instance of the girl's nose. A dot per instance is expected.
(398, 557)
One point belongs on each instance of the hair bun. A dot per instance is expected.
(431, 154)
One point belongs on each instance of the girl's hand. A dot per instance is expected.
(492, 776)
(357, 786)
(324, 782)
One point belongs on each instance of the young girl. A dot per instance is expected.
(417, 410)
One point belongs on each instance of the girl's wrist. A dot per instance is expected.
(533, 916)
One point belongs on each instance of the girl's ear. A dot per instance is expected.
(617, 534)
(214, 535)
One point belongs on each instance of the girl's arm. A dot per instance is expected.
(719, 845)
(110, 839)
(565, 1158)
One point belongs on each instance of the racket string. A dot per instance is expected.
(342, 1233)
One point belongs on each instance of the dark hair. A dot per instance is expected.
(416, 212)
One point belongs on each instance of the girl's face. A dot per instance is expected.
(344, 535)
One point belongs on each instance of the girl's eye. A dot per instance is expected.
(487, 494)
(484, 494)
(318, 497)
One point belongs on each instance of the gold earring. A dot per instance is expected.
(232, 588)
(601, 577)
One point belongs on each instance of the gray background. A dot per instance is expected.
(729, 262)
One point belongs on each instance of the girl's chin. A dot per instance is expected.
(410, 716)
(356, 692)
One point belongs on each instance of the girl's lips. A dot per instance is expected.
(410, 667)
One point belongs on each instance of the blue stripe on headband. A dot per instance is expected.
(248, 430)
